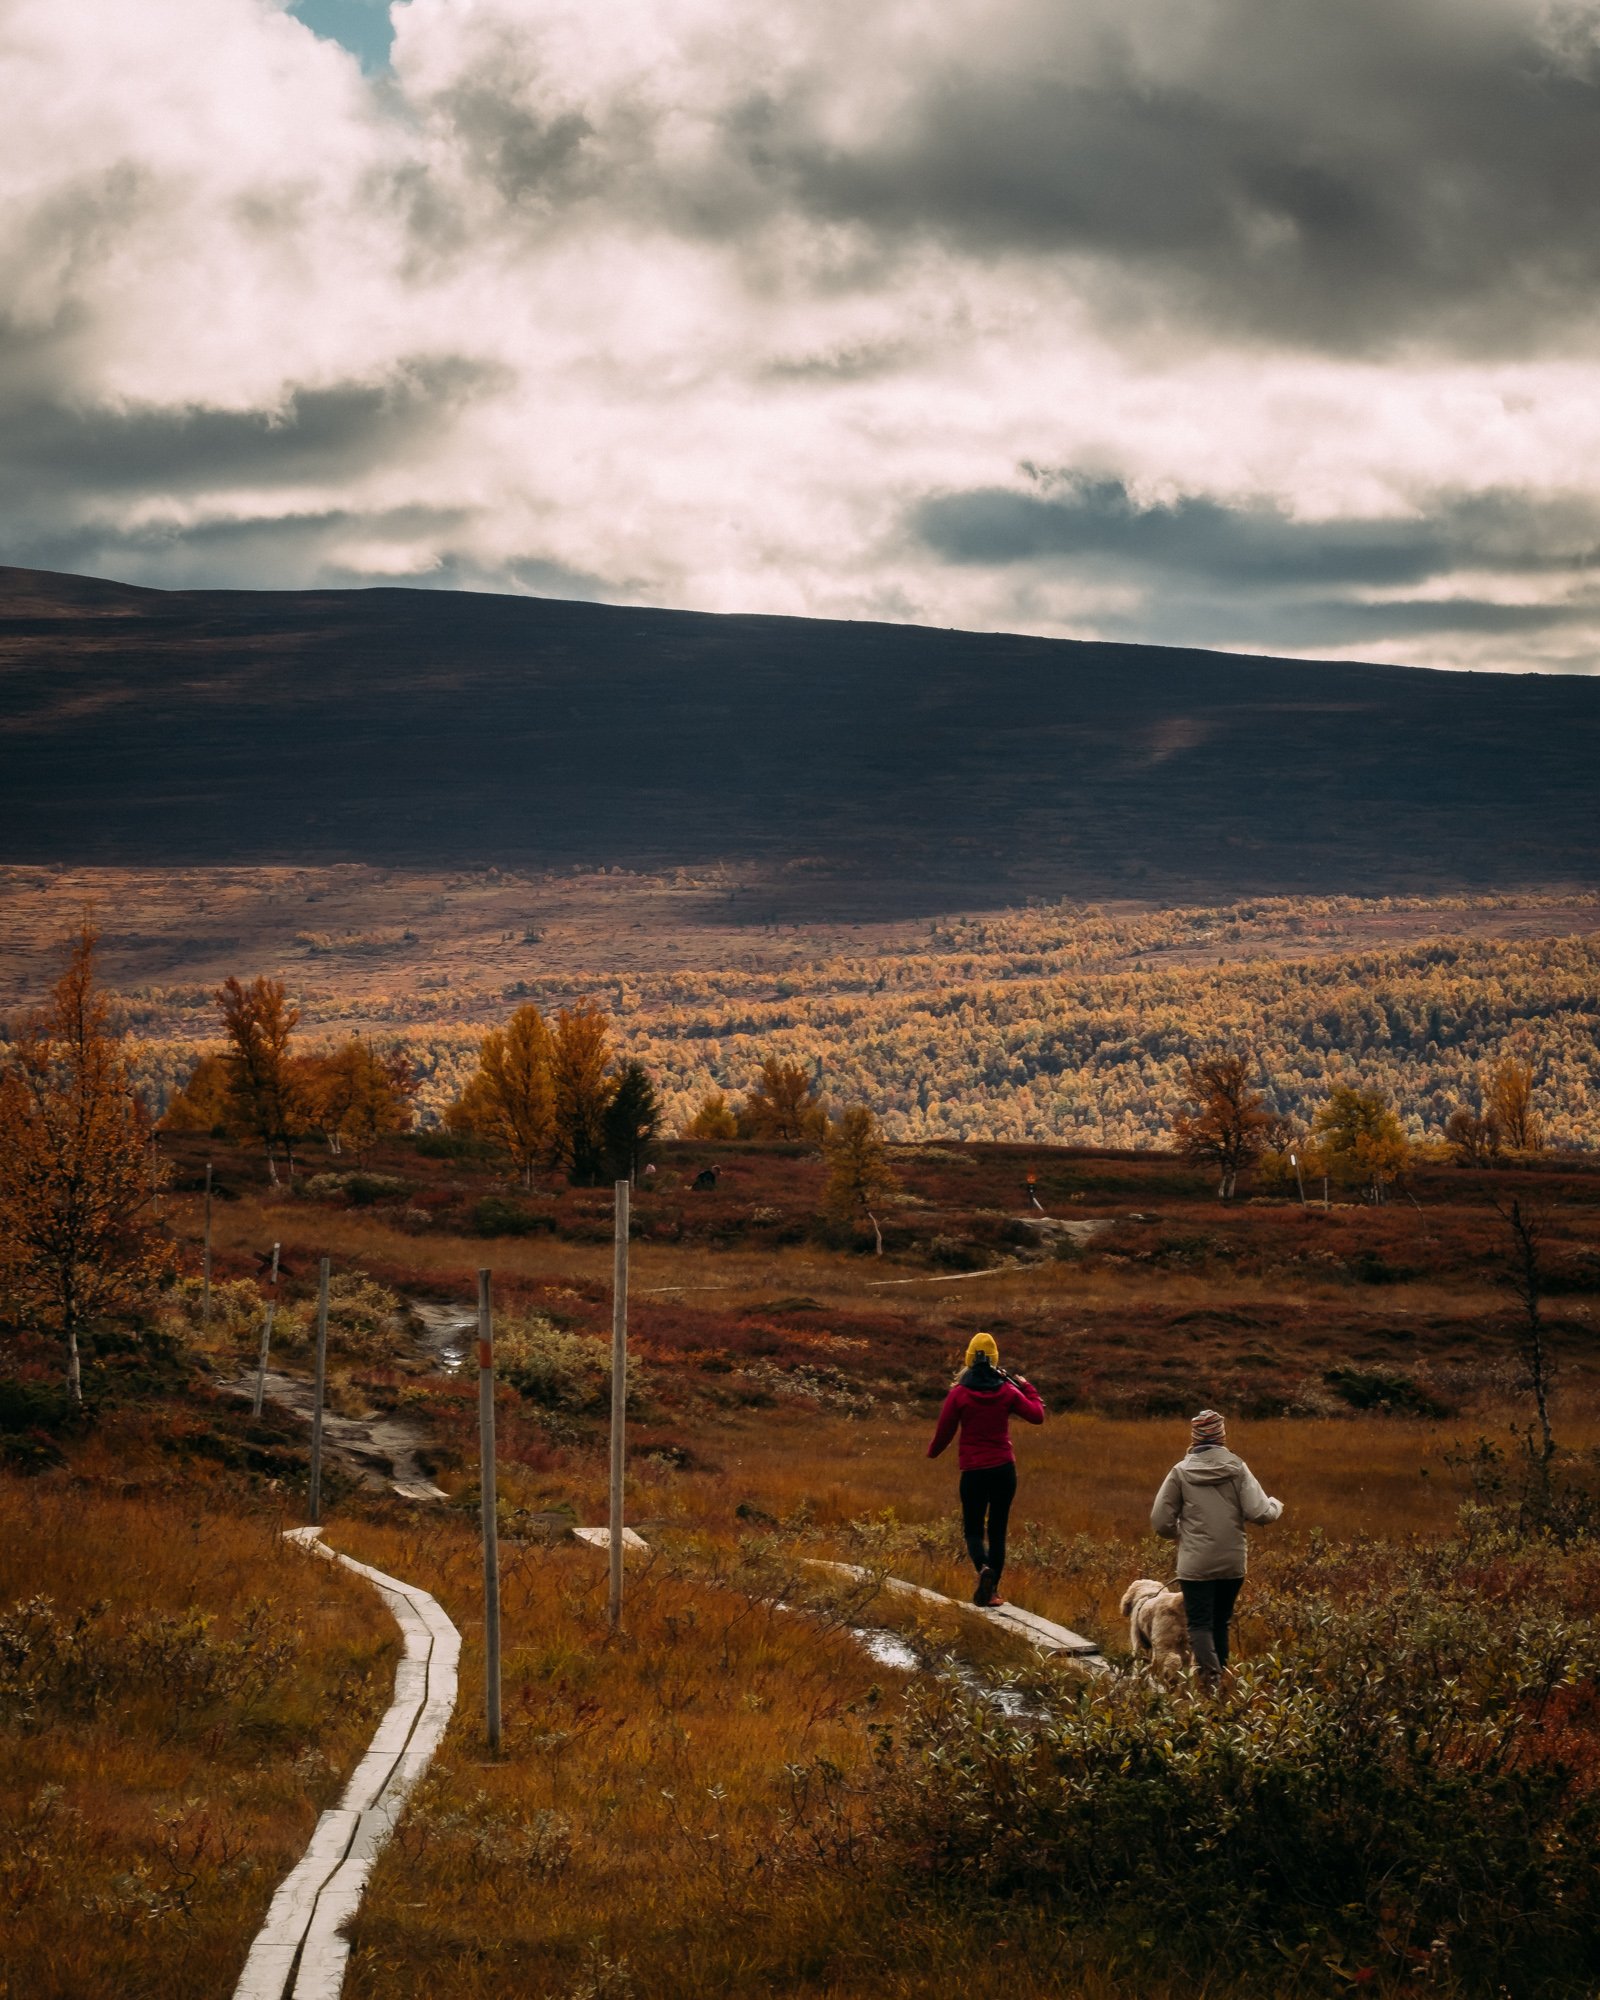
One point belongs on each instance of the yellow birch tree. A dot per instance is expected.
(76, 1174)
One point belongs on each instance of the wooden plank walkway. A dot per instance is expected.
(1042, 1632)
(300, 1952)
(600, 1538)
(1047, 1636)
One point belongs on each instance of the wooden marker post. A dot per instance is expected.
(314, 1512)
(491, 1516)
(205, 1258)
(266, 1337)
(619, 1393)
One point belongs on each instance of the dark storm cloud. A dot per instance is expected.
(1099, 525)
(1333, 175)
(315, 433)
(1207, 573)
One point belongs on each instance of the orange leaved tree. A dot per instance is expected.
(204, 1103)
(713, 1118)
(580, 1063)
(783, 1104)
(353, 1095)
(1226, 1124)
(860, 1178)
(510, 1097)
(1510, 1099)
(262, 1083)
(75, 1168)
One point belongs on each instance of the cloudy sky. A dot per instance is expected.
(1267, 324)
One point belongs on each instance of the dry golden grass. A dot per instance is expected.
(675, 1811)
(159, 1776)
(682, 1809)
(656, 1825)
(1082, 1479)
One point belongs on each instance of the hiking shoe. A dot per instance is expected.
(984, 1594)
(997, 1603)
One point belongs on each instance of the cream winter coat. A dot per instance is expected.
(1203, 1505)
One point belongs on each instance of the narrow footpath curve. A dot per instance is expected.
(300, 1952)
(382, 1452)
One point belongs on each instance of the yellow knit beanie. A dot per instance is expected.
(983, 1343)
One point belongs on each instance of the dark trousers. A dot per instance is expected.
(986, 1497)
(1207, 1607)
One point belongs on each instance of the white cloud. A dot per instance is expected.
(702, 302)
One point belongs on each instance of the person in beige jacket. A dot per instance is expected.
(1203, 1505)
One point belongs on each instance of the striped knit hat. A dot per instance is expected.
(1207, 1428)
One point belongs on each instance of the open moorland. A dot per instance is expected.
(771, 1781)
(775, 1779)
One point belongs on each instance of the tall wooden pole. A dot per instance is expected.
(491, 1517)
(266, 1337)
(315, 1508)
(619, 1392)
(205, 1259)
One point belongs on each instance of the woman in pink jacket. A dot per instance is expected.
(981, 1404)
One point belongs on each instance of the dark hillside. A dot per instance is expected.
(910, 765)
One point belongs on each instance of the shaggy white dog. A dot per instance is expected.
(1157, 1628)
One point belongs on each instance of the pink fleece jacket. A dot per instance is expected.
(983, 1417)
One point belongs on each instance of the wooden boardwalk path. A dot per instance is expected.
(300, 1951)
(1042, 1632)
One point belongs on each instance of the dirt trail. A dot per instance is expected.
(384, 1453)
(381, 1452)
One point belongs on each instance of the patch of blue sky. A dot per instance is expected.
(361, 26)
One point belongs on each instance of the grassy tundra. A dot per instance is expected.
(735, 1795)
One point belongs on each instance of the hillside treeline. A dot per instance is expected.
(1074, 1027)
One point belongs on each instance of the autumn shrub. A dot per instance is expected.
(559, 1371)
(237, 1311)
(1377, 1796)
(358, 1188)
(73, 1662)
(1518, 1491)
(364, 1320)
(496, 1216)
(1385, 1389)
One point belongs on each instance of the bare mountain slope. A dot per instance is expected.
(904, 764)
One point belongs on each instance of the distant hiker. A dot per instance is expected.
(706, 1178)
(981, 1404)
(1203, 1505)
(1033, 1192)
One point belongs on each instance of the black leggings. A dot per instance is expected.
(986, 1497)
(1207, 1608)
